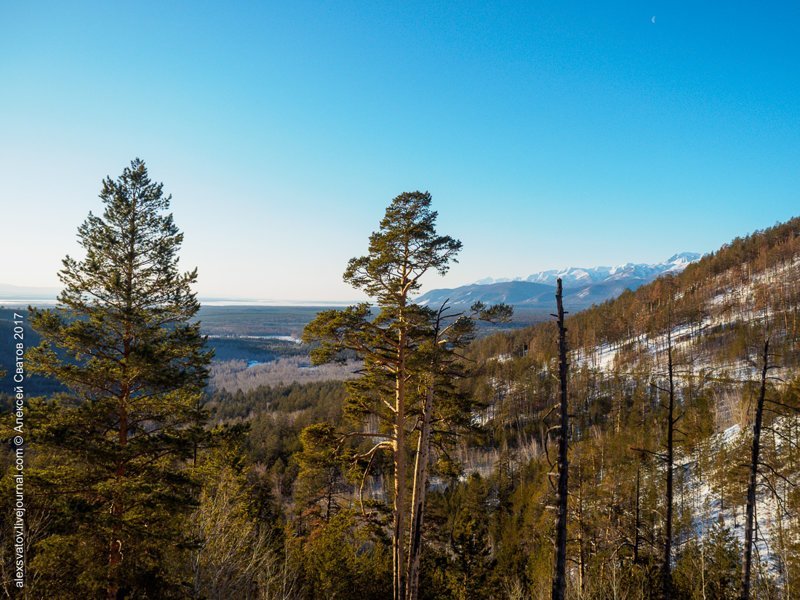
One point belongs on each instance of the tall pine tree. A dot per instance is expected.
(405, 248)
(123, 343)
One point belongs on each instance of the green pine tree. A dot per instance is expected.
(320, 473)
(124, 344)
(470, 543)
(405, 248)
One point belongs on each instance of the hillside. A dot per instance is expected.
(717, 315)
(747, 290)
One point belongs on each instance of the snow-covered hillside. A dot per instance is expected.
(733, 303)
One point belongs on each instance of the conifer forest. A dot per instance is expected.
(646, 447)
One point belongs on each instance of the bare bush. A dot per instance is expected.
(235, 375)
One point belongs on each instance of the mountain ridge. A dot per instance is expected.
(676, 262)
(583, 286)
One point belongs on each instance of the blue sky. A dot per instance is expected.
(549, 134)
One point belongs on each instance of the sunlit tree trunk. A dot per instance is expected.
(419, 493)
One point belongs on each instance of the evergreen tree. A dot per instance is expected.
(320, 473)
(470, 574)
(405, 248)
(122, 340)
(709, 569)
(346, 559)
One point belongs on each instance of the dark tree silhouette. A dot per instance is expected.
(560, 575)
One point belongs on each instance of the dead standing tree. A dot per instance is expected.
(560, 574)
(668, 458)
(671, 421)
(751, 488)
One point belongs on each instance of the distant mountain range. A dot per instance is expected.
(582, 286)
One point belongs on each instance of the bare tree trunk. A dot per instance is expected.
(398, 543)
(560, 575)
(581, 540)
(667, 574)
(638, 522)
(419, 493)
(751, 488)
(398, 537)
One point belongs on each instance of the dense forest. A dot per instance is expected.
(433, 470)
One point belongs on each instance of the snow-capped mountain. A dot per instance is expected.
(585, 275)
(582, 286)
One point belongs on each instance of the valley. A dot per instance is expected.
(698, 325)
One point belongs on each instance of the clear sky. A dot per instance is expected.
(550, 134)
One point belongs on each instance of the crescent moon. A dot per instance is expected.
(653, 19)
